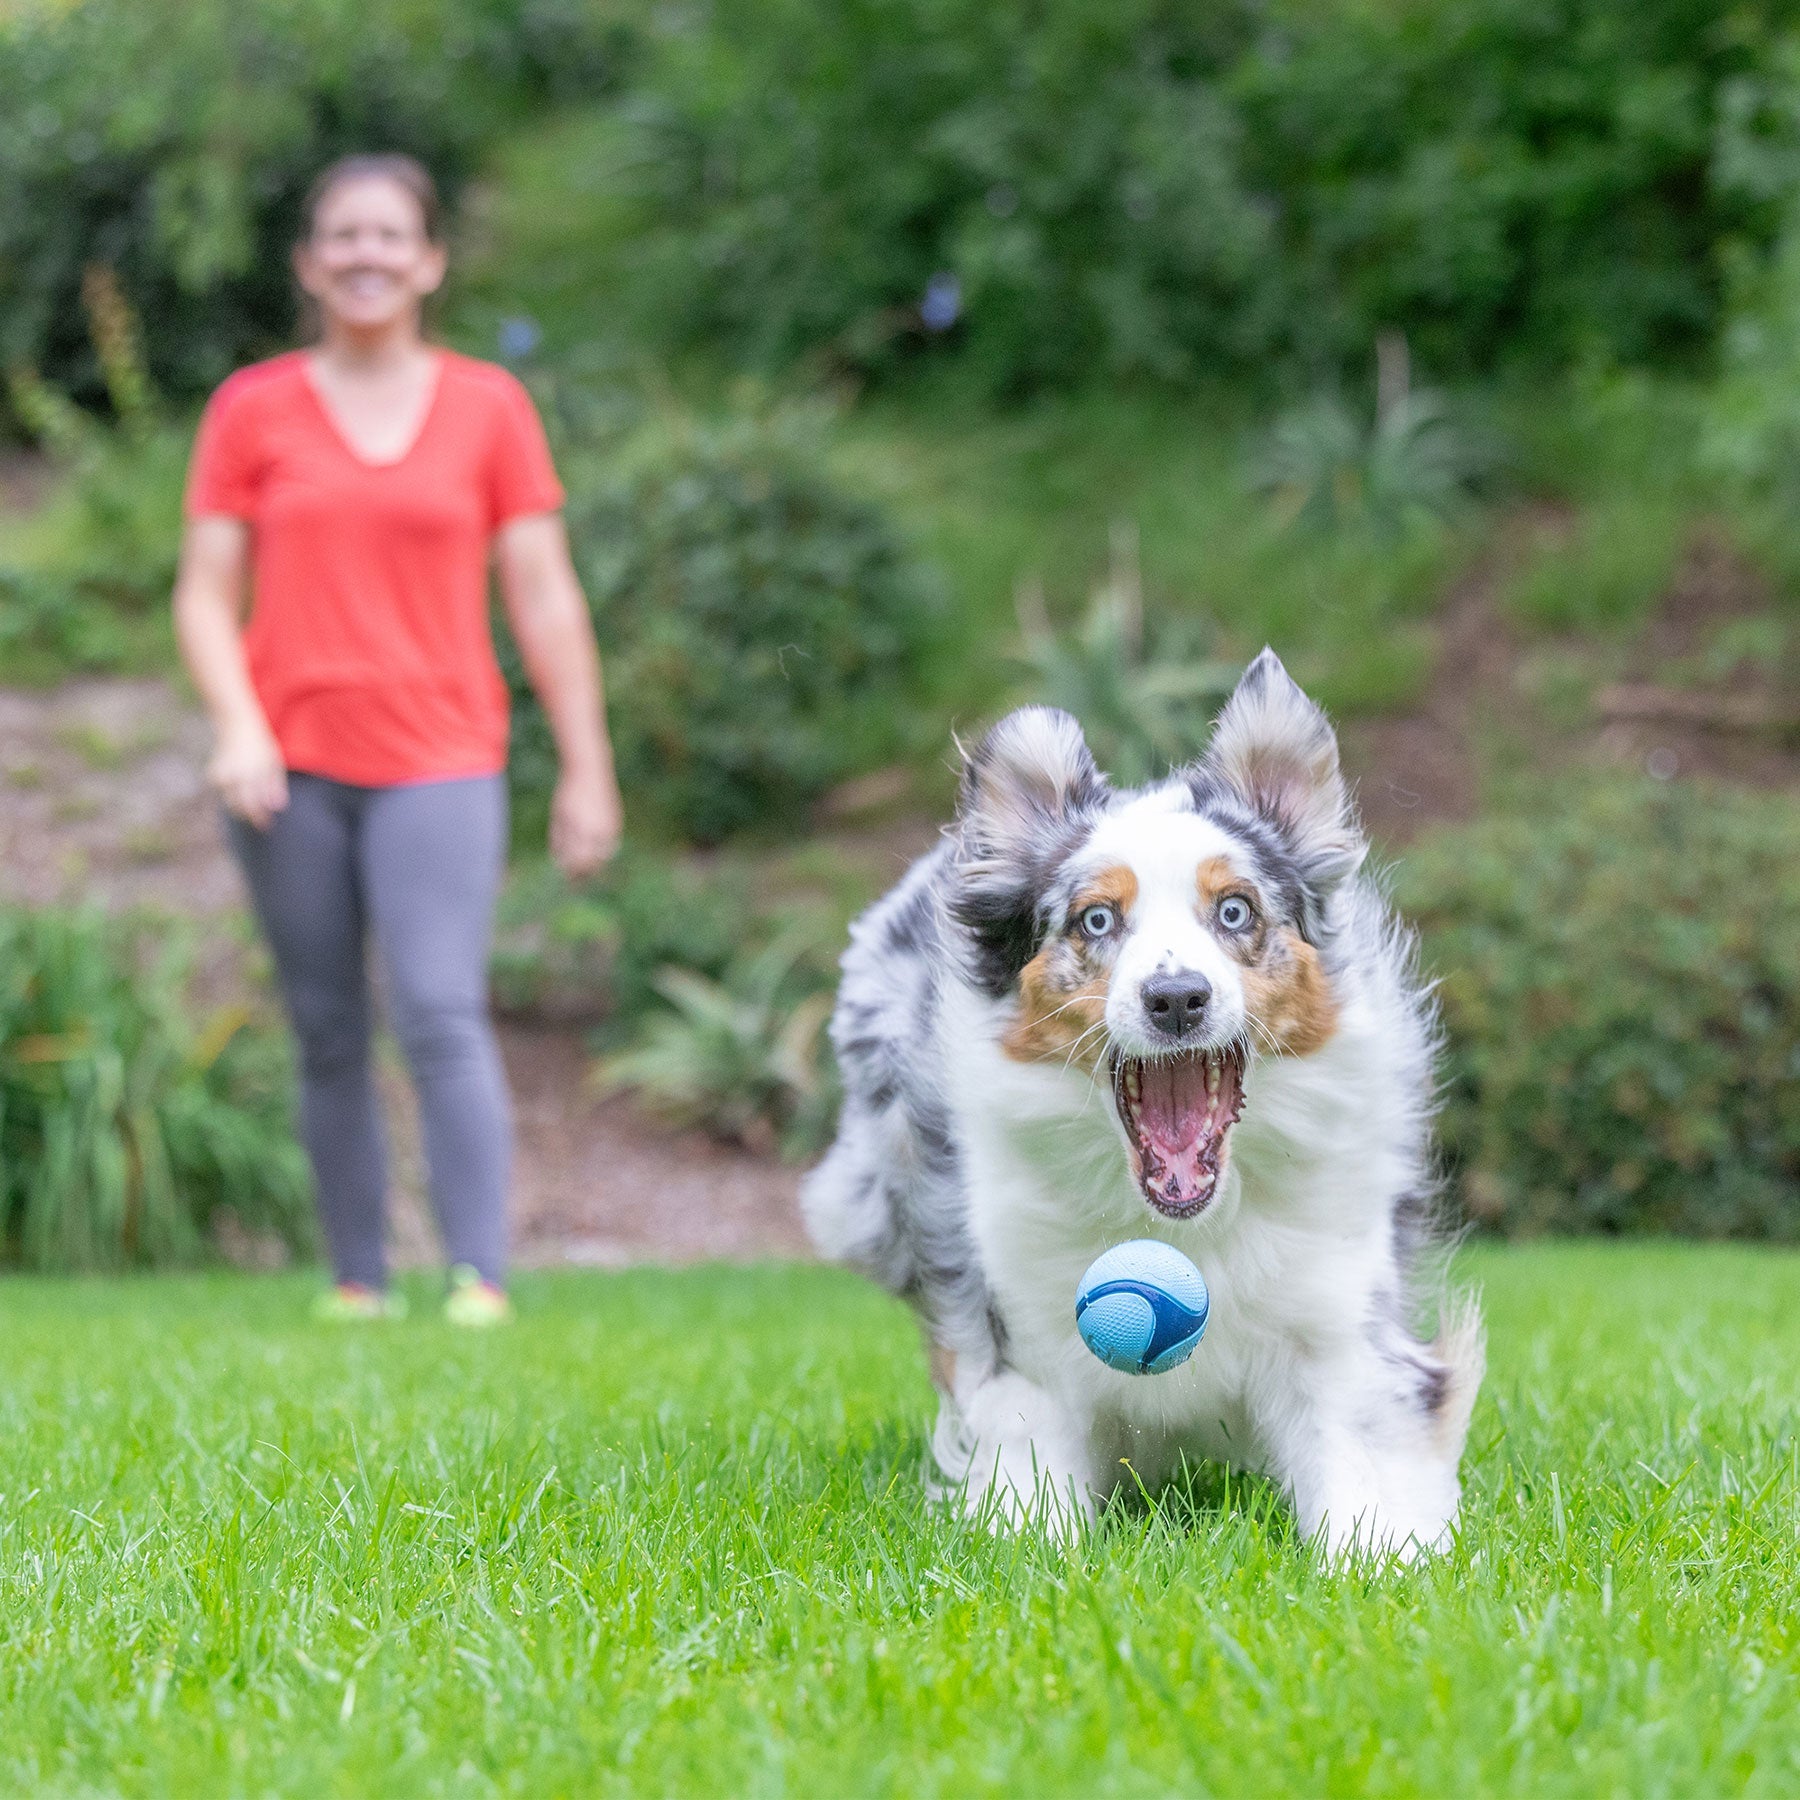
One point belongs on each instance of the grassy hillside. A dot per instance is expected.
(1592, 491)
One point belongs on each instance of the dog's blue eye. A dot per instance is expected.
(1097, 921)
(1235, 913)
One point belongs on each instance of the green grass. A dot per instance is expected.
(1603, 573)
(665, 1537)
(995, 498)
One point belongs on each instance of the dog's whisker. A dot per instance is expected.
(1075, 1048)
(1057, 1013)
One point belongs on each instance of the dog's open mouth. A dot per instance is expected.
(1177, 1112)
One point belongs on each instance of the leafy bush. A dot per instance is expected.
(50, 629)
(124, 1129)
(1064, 191)
(743, 1055)
(1145, 695)
(1051, 193)
(1621, 988)
(1411, 465)
(173, 139)
(1752, 428)
(592, 953)
(757, 621)
(99, 556)
(1497, 177)
(1055, 188)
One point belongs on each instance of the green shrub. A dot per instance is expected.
(1064, 192)
(1752, 424)
(759, 624)
(124, 1127)
(743, 1056)
(173, 139)
(1410, 465)
(1546, 179)
(1145, 692)
(51, 628)
(1620, 978)
(810, 174)
(591, 952)
(97, 559)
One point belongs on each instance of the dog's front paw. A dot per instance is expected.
(1011, 1457)
(1054, 1510)
(1377, 1534)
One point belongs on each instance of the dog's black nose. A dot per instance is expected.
(1177, 1003)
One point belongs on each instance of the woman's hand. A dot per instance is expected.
(246, 765)
(586, 818)
(556, 638)
(247, 770)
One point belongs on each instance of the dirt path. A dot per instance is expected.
(1662, 700)
(102, 803)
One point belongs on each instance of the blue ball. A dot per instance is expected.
(1141, 1307)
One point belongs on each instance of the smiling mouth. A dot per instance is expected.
(1177, 1112)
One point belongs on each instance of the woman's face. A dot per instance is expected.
(368, 262)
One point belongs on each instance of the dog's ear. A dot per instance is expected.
(1276, 750)
(1030, 774)
(1026, 789)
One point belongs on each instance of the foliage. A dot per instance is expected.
(1621, 987)
(1047, 194)
(593, 952)
(1055, 190)
(1145, 696)
(124, 1128)
(994, 495)
(1061, 192)
(98, 561)
(743, 1055)
(1612, 453)
(714, 1023)
(1752, 427)
(172, 141)
(50, 629)
(1602, 570)
(666, 1536)
(1412, 465)
(758, 621)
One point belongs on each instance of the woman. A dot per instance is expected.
(355, 493)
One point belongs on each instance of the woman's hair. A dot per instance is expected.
(387, 165)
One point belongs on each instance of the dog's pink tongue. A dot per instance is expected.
(1173, 1115)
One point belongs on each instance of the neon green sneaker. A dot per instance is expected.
(350, 1303)
(475, 1301)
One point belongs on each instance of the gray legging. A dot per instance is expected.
(417, 868)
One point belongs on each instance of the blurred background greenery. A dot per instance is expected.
(906, 360)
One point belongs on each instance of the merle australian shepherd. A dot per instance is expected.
(1091, 1015)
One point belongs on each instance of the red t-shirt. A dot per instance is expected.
(368, 641)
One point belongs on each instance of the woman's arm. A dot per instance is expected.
(550, 620)
(210, 585)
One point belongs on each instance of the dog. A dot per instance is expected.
(1182, 1011)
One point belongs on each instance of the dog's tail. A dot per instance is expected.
(844, 1203)
(1461, 1347)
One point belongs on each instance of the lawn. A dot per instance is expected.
(665, 1537)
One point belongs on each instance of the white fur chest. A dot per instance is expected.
(1293, 1248)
